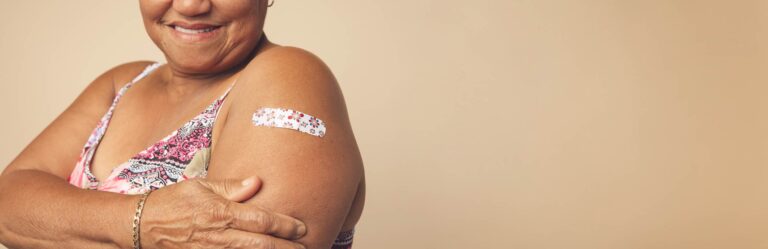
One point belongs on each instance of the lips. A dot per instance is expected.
(195, 28)
(194, 32)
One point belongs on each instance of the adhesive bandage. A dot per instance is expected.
(290, 119)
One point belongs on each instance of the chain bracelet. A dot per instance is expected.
(137, 220)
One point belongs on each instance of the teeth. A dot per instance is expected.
(192, 31)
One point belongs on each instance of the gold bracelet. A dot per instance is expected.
(137, 220)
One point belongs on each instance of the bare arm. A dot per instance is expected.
(54, 214)
(40, 209)
(313, 179)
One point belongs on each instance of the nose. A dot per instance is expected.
(192, 7)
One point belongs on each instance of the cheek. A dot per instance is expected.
(152, 10)
(240, 9)
(247, 18)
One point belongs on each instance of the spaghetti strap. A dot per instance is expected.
(221, 100)
(148, 70)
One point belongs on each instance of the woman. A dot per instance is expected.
(227, 106)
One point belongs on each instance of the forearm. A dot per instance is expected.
(40, 210)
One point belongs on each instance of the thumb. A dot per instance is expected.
(235, 190)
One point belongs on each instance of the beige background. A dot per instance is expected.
(491, 124)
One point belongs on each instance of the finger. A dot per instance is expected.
(234, 190)
(232, 238)
(254, 219)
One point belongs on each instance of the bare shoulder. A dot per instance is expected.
(290, 77)
(64, 137)
(291, 62)
(124, 73)
(97, 97)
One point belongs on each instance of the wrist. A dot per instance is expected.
(125, 209)
(136, 223)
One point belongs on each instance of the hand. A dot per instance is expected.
(198, 213)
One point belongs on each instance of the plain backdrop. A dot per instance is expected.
(490, 124)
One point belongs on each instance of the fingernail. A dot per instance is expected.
(248, 181)
(302, 230)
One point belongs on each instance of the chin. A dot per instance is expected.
(195, 65)
(203, 59)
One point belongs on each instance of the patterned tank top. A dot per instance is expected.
(182, 155)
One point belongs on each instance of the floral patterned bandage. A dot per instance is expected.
(290, 119)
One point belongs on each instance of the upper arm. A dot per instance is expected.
(311, 178)
(57, 148)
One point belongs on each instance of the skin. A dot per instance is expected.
(317, 180)
(64, 216)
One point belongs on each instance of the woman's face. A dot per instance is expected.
(201, 37)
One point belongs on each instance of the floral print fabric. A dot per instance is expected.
(181, 155)
(344, 240)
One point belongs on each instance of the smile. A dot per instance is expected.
(194, 32)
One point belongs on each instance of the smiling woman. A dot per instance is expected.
(170, 155)
(205, 37)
